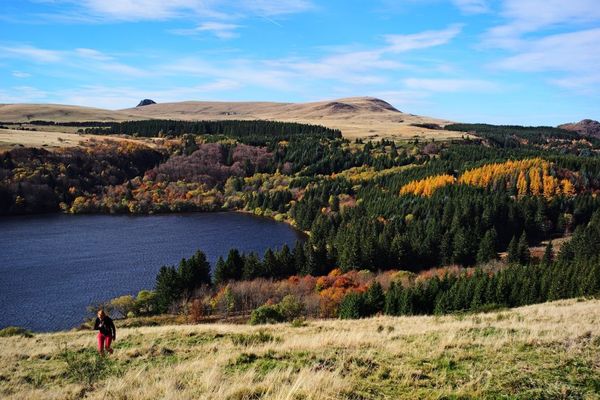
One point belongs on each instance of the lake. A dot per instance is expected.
(53, 266)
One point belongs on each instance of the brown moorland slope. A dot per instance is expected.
(355, 117)
(58, 113)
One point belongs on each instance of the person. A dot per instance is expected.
(107, 332)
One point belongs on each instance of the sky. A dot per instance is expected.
(529, 62)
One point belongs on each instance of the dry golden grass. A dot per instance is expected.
(356, 117)
(11, 138)
(58, 113)
(543, 351)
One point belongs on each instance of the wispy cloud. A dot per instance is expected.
(421, 40)
(160, 10)
(32, 53)
(21, 74)
(472, 6)
(451, 85)
(219, 29)
(530, 37)
(81, 58)
(527, 16)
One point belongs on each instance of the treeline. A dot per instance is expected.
(575, 273)
(251, 132)
(513, 135)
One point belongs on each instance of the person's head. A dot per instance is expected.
(101, 314)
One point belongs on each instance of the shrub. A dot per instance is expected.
(266, 314)
(123, 305)
(290, 307)
(15, 331)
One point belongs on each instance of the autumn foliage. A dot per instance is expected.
(535, 177)
(426, 187)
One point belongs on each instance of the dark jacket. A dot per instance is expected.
(106, 327)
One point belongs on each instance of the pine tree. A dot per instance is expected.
(487, 247)
(352, 306)
(523, 252)
(220, 275)
(270, 265)
(548, 257)
(299, 257)
(513, 251)
(194, 272)
(374, 299)
(392, 299)
(252, 267)
(234, 265)
(167, 288)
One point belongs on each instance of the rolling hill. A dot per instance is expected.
(355, 117)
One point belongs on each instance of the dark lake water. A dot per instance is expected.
(53, 266)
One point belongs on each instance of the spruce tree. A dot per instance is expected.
(548, 257)
(234, 265)
(487, 247)
(220, 275)
(352, 306)
(167, 288)
(513, 251)
(524, 255)
(374, 299)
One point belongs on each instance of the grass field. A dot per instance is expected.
(548, 351)
(52, 139)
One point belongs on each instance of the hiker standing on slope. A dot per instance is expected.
(107, 332)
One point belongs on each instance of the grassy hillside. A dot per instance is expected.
(544, 351)
(357, 117)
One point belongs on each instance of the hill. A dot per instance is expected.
(586, 127)
(58, 113)
(355, 117)
(543, 351)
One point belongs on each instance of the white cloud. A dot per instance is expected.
(526, 16)
(451, 85)
(472, 6)
(219, 29)
(422, 40)
(21, 74)
(550, 36)
(81, 58)
(32, 53)
(147, 10)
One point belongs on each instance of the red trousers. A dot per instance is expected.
(104, 342)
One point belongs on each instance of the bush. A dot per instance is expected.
(15, 331)
(266, 314)
(123, 305)
(290, 307)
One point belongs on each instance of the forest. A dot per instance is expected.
(394, 227)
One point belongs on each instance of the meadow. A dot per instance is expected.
(545, 351)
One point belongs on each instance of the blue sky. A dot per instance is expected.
(499, 61)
